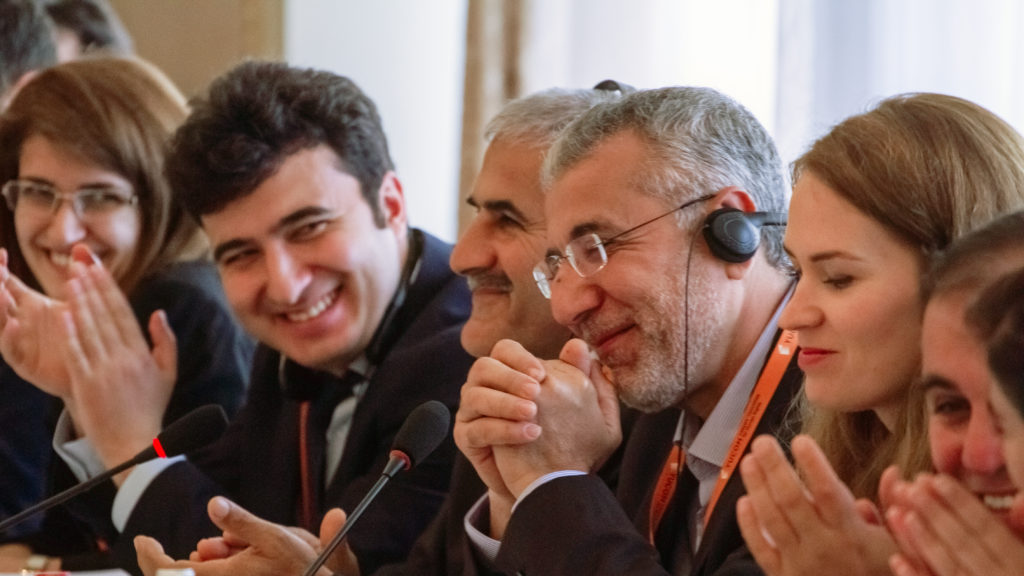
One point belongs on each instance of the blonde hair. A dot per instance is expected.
(118, 113)
(929, 168)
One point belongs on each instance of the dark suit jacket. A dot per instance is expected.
(444, 549)
(576, 525)
(256, 463)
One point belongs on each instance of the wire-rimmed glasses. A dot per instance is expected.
(89, 203)
(587, 254)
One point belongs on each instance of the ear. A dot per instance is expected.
(391, 200)
(735, 197)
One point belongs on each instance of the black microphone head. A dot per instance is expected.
(422, 431)
(193, 430)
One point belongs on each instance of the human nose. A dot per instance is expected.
(473, 252)
(66, 226)
(572, 297)
(801, 312)
(983, 449)
(286, 277)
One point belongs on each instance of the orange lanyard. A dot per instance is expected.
(765, 388)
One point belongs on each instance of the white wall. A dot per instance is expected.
(729, 45)
(798, 65)
(408, 56)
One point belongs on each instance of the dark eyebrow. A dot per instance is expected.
(498, 206)
(587, 228)
(220, 249)
(297, 216)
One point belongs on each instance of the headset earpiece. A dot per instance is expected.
(734, 235)
(614, 86)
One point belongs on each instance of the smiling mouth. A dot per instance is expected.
(998, 503)
(59, 259)
(315, 310)
(606, 337)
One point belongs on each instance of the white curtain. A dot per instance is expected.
(837, 58)
(799, 65)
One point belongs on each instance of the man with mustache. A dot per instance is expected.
(496, 254)
(655, 206)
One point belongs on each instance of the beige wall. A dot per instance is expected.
(193, 41)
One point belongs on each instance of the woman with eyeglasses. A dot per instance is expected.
(91, 229)
(873, 201)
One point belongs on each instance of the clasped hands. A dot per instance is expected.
(521, 418)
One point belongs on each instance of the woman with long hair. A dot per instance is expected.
(82, 151)
(873, 201)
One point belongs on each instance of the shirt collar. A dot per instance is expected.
(713, 439)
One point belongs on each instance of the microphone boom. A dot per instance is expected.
(193, 430)
(424, 429)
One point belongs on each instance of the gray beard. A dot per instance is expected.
(662, 375)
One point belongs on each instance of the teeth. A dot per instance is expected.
(314, 310)
(60, 260)
(998, 502)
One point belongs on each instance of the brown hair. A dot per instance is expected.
(118, 113)
(987, 266)
(929, 168)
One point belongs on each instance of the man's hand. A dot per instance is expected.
(496, 409)
(521, 418)
(578, 413)
(253, 547)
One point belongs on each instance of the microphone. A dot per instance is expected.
(193, 430)
(419, 435)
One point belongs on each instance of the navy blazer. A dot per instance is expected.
(576, 525)
(444, 549)
(256, 463)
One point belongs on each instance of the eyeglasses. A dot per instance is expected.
(90, 203)
(587, 254)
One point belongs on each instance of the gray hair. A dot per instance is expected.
(538, 119)
(699, 141)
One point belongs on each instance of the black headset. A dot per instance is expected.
(614, 86)
(734, 235)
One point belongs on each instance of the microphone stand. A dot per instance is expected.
(78, 489)
(397, 462)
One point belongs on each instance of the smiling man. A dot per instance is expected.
(683, 323)
(357, 314)
(496, 254)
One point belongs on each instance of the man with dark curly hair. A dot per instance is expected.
(357, 314)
